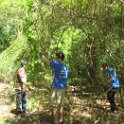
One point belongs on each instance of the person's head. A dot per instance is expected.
(60, 56)
(105, 67)
(23, 63)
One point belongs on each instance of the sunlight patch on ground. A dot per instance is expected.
(78, 101)
(103, 103)
(6, 105)
(1, 119)
(80, 109)
(78, 113)
(3, 87)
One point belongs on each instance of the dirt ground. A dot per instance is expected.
(81, 107)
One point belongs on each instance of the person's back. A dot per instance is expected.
(60, 74)
(115, 82)
(59, 85)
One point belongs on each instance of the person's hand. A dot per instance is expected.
(43, 56)
(110, 80)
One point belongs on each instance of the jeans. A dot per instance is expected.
(111, 98)
(21, 99)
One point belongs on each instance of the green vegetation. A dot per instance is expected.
(89, 32)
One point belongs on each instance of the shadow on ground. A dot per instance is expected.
(39, 117)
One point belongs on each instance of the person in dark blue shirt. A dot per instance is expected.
(114, 86)
(59, 85)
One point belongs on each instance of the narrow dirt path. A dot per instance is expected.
(6, 102)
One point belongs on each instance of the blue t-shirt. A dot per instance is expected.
(60, 74)
(115, 82)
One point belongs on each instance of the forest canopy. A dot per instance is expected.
(89, 32)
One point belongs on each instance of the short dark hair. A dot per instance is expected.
(105, 65)
(23, 62)
(60, 55)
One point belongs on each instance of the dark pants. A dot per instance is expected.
(21, 99)
(111, 98)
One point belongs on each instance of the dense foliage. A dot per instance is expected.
(90, 32)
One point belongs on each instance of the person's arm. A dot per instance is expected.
(110, 80)
(45, 60)
(111, 76)
(16, 78)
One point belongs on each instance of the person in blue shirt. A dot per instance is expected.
(59, 85)
(114, 86)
